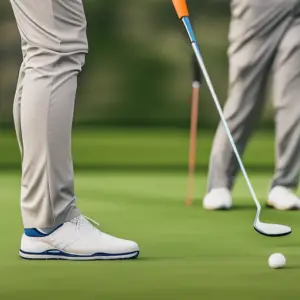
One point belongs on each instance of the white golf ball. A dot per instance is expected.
(276, 261)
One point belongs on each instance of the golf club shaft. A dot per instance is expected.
(196, 49)
(193, 141)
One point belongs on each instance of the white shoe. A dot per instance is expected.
(76, 240)
(282, 198)
(218, 199)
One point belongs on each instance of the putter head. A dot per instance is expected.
(272, 230)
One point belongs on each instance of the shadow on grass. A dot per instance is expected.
(235, 207)
(291, 267)
(241, 207)
(159, 258)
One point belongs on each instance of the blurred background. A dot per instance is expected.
(137, 74)
(138, 69)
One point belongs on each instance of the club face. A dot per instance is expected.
(272, 230)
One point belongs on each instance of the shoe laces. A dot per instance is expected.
(78, 221)
(92, 221)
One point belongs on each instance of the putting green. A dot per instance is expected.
(186, 253)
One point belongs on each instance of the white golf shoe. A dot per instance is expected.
(282, 198)
(218, 199)
(76, 240)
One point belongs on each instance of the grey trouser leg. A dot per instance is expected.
(54, 45)
(256, 30)
(287, 107)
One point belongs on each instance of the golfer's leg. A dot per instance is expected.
(54, 32)
(287, 106)
(254, 34)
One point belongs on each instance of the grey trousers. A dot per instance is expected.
(264, 38)
(54, 45)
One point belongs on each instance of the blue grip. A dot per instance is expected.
(189, 29)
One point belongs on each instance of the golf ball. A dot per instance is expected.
(276, 261)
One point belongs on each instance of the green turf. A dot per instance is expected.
(142, 150)
(186, 253)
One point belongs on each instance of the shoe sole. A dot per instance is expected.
(60, 255)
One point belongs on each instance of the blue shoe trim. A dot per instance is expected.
(33, 232)
(54, 252)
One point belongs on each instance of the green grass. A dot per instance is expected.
(117, 149)
(186, 253)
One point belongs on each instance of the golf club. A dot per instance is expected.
(193, 129)
(266, 229)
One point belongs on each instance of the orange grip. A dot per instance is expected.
(181, 8)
